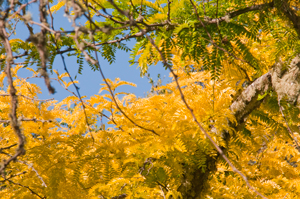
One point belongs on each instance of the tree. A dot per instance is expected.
(225, 127)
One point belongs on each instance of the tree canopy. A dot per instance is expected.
(226, 126)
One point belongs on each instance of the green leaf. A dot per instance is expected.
(260, 97)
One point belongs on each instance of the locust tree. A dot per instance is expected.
(226, 126)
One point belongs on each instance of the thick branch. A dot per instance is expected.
(248, 100)
(33, 192)
(41, 46)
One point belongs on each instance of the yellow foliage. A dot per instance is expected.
(125, 159)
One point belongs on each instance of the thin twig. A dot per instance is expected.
(162, 191)
(17, 56)
(239, 12)
(19, 10)
(105, 16)
(134, 7)
(27, 120)
(74, 84)
(33, 192)
(23, 63)
(210, 37)
(51, 16)
(285, 196)
(97, 63)
(14, 28)
(30, 167)
(63, 86)
(39, 100)
(8, 147)
(12, 176)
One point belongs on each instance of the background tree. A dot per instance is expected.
(225, 127)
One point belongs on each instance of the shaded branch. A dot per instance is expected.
(33, 192)
(124, 195)
(8, 147)
(12, 176)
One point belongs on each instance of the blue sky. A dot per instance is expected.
(89, 80)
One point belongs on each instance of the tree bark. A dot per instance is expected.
(285, 81)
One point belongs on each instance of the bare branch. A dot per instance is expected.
(106, 16)
(14, 99)
(27, 120)
(33, 192)
(51, 16)
(12, 176)
(40, 100)
(19, 10)
(41, 46)
(14, 28)
(169, 11)
(8, 147)
(17, 56)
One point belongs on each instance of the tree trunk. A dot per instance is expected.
(280, 80)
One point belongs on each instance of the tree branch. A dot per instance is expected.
(27, 120)
(12, 176)
(39, 100)
(238, 12)
(33, 192)
(14, 99)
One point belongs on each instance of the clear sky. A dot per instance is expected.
(89, 80)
